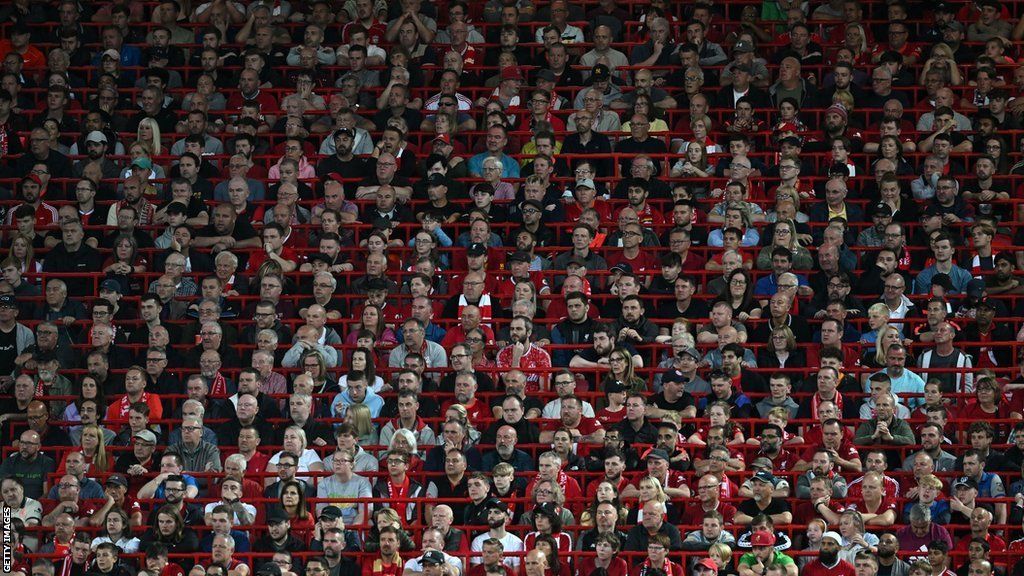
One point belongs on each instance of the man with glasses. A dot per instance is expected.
(29, 465)
(69, 504)
(197, 454)
(345, 483)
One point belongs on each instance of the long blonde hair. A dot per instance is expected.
(99, 461)
(360, 418)
(154, 145)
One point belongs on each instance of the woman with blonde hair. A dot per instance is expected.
(358, 415)
(459, 413)
(295, 443)
(23, 254)
(942, 62)
(94, 450)
(874, 358)
(785, 236)
(650, 489)
(148, 135)
(721, 554)
(855, 39)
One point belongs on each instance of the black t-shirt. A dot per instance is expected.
(8, 350)
(684, 402)
(750, 508)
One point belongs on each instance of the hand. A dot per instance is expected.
(658, 47)
(320, 442)
(1018, 499)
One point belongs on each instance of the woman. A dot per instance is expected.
(116, 529)
(362, 359)
(701, 127)
(148, 135)
(491, 174)
(855, 537)
(358, 415)
(404, 442)
(988, 405)
(88, 389)
(124, 263)
(651, 489)
(607, 546)
(477, 345)
(546, 520)
(644, 105)
(425, 245)
(548, 544)
(52, 128)
(890, 148)
(292, 501)
(943, 62)
(721, 554)
(903, 209)
(785, 236)
(94, 450)
(718, 414)
(856, 41)
(314, 364)
(28, 510)
(995, 147)
(381, 518)
(295, 443)
(373, 320)
(737, 215)
(171, 531)
(812, 541)
(693, 164)
(22, 251)
(606, 492)
(739, 294)
(620, 363)
(548, 492)
(781, 351)
(874, 358)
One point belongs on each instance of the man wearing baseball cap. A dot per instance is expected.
(763, 486)
(763, 555)
(828, 562)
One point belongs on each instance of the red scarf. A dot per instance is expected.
(219, 386)
(815, 399)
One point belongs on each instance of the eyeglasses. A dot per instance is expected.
(787, 286)
(66, 485)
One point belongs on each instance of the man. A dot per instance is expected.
(764, 502)
(635, 427)
(931, 445)
(345, 483)
(73, 255)
(709, 499)
(653, 522)
(135, 391)
(903, 380)
(828, 560)
(885, 428)
(577, 328)
(497, 139)
(497, 535)
(30, 466)
(414, 332)
(334, 545)
(522, 354)
(763, 554)
(943, 252)
(944, 355)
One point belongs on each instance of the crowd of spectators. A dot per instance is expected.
(511, 288)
